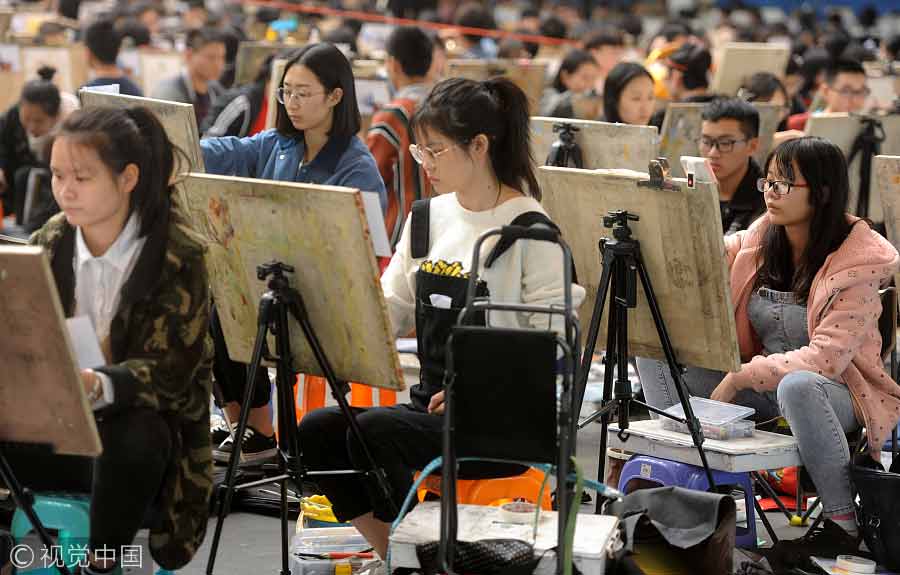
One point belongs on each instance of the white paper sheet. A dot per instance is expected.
(85, 344)
(375, 218)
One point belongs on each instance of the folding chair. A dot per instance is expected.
(501, 391)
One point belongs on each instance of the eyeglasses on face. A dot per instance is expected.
(286, 95)
(724, 145)
(779, 187)
(422, 154)
(849, 93)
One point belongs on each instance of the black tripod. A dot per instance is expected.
(867, 145)
(274, 306)
(622, 262)
(24, 500)
(565, 152)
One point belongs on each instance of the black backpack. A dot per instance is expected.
(879, 511)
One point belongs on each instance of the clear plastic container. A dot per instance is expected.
(713, 412)
(733, 430)
(311, 546)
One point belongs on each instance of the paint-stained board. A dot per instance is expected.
(602, 144)
(319, 230)
(680, 234)
(41, 395)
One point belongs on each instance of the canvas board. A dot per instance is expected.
(842, 129)
(70, 63)
(278, 65)
(886, 179)
(250, 57)
(683, 249)
(603, 145)
(177, 119)
(526, 74)
(322, 232)
(740, 60)
(682, 127)
(41, 396)
(157, 66)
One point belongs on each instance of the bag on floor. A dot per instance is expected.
(879, 512)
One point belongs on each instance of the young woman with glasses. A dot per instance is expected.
(473, 142)
(804, 282)
(315, 142)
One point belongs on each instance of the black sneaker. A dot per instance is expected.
(828, 541)
(256, 448)
(219, 431)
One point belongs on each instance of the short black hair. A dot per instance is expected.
(412, 48)
(843, 67)
(675, 28)
(531, 47)
(133, 29)
(604, 36)
(333, 70)
(103, 41)
(762, 86)
(733, 109)
(200, 37)
(892, 47)
(694, 62)
(553, 27)
(474, 15)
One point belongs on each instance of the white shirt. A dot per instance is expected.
(98, 284)
(529, 272)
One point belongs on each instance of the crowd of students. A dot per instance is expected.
(120, 255)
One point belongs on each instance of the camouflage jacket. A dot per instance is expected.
(161, 359)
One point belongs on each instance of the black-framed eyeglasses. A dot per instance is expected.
(779, 187)
(724, 145)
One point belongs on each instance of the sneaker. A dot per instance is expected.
(255, 448)
(219, 430)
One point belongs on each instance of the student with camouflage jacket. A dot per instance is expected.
(120, 257)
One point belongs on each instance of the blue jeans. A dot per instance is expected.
(819, 411)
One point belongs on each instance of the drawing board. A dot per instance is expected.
(740, 60)
(603, 145)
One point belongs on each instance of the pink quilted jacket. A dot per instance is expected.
(842, 310)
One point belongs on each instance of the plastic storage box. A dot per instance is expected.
(713, 412)
(733, 430)
(325, 550)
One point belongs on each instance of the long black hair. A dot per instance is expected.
(333, 71)
(130, 136)
(823, 166)
(620, 76)
(461, 109)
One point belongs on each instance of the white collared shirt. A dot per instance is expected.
(99, 281)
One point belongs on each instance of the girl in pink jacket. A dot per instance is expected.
(804, 281)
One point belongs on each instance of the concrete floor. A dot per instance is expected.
(251, 543)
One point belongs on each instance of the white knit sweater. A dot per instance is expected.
(530, 272)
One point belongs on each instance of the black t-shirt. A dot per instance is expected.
(201, 106)
(746, 205)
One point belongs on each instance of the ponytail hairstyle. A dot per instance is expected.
(461, 109)
(43, 92)
(130, 136)
(824, 169)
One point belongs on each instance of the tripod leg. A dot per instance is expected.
(23, 501)
(265, 310)
(593, 332)
(289, 450)
(608, 371)
(298, 310)
(675, 369)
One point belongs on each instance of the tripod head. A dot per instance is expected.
(566, 133)
(276, 270)
(618, 221)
